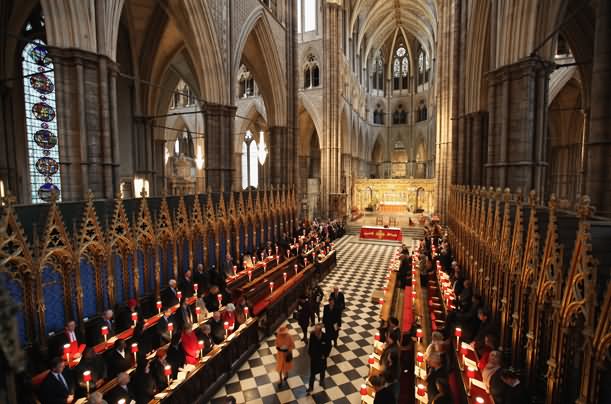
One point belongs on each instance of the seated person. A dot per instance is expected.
(124, 315)
(163, 333)
(229, 316)
(169, 296)
(57, 387)
(190, 346)
(186, 285)
(202, 278)
(143, 381)
(218, 331)
(94, 364)
(96, 398)
(211, 299)
(486, 327)
(123, 391)
(206, 337)
(118, 359)
(105, 321)
(70, 336)
(157, 367)
(176, 357)
(490, 344)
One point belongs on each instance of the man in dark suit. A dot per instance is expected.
(318, 349)
(122, 391)
(331, 320)
(117, 359)
(94, 364)
(70, 336)
(340, 302)
(161, 329)
(169, 296)
(211, 299)
(57, 387)
(186, 284)
(202, 278)
(157, 369)
(206, 337)
(106, 320)
(124, 315)
(216, 325)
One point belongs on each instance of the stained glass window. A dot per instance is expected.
(421, 61)
(41, 122)
(404, 67)
(401, 51)
(396, 69)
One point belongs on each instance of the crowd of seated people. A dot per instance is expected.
(471, 315)
(173, 338)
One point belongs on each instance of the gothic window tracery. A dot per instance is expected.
(246, 82)
(401, 69)
(182, 96)
(423, 67)
(378, 73)
(250, 162)
(41, 123)
(306, 15)
(311, 73)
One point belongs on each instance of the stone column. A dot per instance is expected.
(85, 89)
(330, 152)
(219, 132)
(516, 155)
(598, 143)
(280, 160)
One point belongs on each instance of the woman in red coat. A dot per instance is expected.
(190, 346)
(230, 317)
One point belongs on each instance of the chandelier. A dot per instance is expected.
(262, 148)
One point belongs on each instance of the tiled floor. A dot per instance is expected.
(360, 269)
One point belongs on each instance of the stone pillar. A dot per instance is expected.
(85, 85)
(280, 160)
(598, 143)
(516, 155)
(331, 138)
(219, 152)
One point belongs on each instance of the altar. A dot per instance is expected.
(394, 196)
(381, 233)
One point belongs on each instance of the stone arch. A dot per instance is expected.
(313, 110)
(477, 57)
(256, 49)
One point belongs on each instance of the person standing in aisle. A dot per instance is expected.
(318, 349)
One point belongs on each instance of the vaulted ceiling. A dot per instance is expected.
(379, 19)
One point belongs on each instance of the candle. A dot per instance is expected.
(158, 305)
(195, 288)
(246, 312)
(264, 267)
(419, 334)
(249, 275)
(179, 295)
(284, 276)
(371, 360)
(457, 334)
(296, 269)
(121, 401)
(170, 328)
(104, 331)
(198, 311)
(421, 389)
(271, 287)
(167, 371)
(363, 389)
(226, 327)
(479, 400)
(87, 379)
(135, 352)
(305, 262)
(276, 250)
(135, 317)
(377, 336)
(220, 299)
(67, 351)
(420, 358)
(200, 344)
(381, 301)
(235, 270)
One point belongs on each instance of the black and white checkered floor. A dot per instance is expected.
(360, 269)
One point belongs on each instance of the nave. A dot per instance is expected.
(360, 270)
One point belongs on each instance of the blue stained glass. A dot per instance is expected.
(185, 256)
(41, 123)
(130, 275)
(211, 250)
(170, 262)
(151, 272)
(140, 268)
(198, 250)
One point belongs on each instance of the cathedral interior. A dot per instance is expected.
(145, 142)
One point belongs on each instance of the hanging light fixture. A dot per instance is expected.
(177, 146)
(262, 148)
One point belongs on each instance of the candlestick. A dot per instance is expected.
(235, 270)
(170, 329)
(421, 390)
(363, 390)
(284, 276)
(219, 297)
(167, 370)
(479, 400)
(226, 327)
(87, 379)
(419, 334)
(457, 334)
(104, 331)
(296, 267)
(158, 305)
(179, 295)
(195, 288)
(377, 336)
(135, 317)
(249, 275)
(470, 375)
(271, 287)
(420, 358)
(67, 352)
(200, 344)
(135, 352)
(246, 313)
